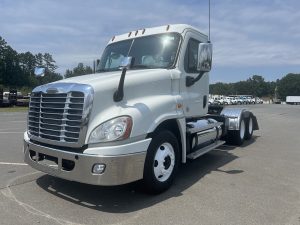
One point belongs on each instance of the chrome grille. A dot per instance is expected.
(58, 118)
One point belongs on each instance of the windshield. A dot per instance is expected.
(155, 51)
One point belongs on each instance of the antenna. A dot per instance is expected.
(209, 21)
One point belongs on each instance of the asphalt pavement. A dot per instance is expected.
(257, 183)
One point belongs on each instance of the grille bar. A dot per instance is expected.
(38, 124)
(56, 117)
(44, 107)
(37, 119)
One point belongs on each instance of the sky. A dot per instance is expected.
(250, 37)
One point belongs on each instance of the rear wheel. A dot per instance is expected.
(249, 129)
(237, 137)
(161, 162)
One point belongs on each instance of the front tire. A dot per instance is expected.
(161, 162)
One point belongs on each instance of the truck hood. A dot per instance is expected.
(107, 78)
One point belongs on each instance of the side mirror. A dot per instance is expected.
(39, 71)
(97, 62)
(204, 57)
(126, 62)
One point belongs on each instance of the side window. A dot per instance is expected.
(191, 55)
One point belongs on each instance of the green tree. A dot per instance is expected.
(27, 63)
(289, 85)
(221, 89)
(79, 70)
(39, 59)
(49, 63)
(17, 69)
(257, 86)
(3, 46)
(50, 77)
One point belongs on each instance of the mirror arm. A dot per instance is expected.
(119, 93)
(189, 81)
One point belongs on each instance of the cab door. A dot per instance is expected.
(195, 97)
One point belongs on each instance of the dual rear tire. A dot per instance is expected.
(249, 128)
(245, 132)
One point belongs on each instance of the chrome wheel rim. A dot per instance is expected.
(164, 162)
(242, 129)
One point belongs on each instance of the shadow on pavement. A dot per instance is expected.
(130, 197)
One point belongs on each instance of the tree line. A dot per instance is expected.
(79, 70)
(256, 85)
(17, 69)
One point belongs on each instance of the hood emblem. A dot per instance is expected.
(52, 91)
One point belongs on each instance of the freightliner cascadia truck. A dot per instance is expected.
(142, 114)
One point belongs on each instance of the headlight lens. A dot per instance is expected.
(115, 129)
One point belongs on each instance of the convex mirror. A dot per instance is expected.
(204, 57)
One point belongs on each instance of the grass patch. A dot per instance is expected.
(14, 109)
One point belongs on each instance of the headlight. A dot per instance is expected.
(115, 129)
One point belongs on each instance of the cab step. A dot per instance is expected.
(204, 150)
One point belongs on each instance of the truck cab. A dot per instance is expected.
(139, 116)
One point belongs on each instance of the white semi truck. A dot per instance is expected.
(144, 112)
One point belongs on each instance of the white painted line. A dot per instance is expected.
(12, 132)
(16, 164)
(7, 192)
(14, 121)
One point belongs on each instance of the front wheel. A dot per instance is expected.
(161, 162)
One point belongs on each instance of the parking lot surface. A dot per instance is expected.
(257, 183)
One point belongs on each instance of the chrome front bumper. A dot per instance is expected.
(119, 169)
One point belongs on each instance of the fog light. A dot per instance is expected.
(98, 168)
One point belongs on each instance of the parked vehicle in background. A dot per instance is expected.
(240, 101)
(248, 100)
(227, 101)
(259, 101)
(211, 101)
(13, 95)
(219, 100)
(293, 100)
(233, 100)
(23, 100)
(5, 99)
(1, 96)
